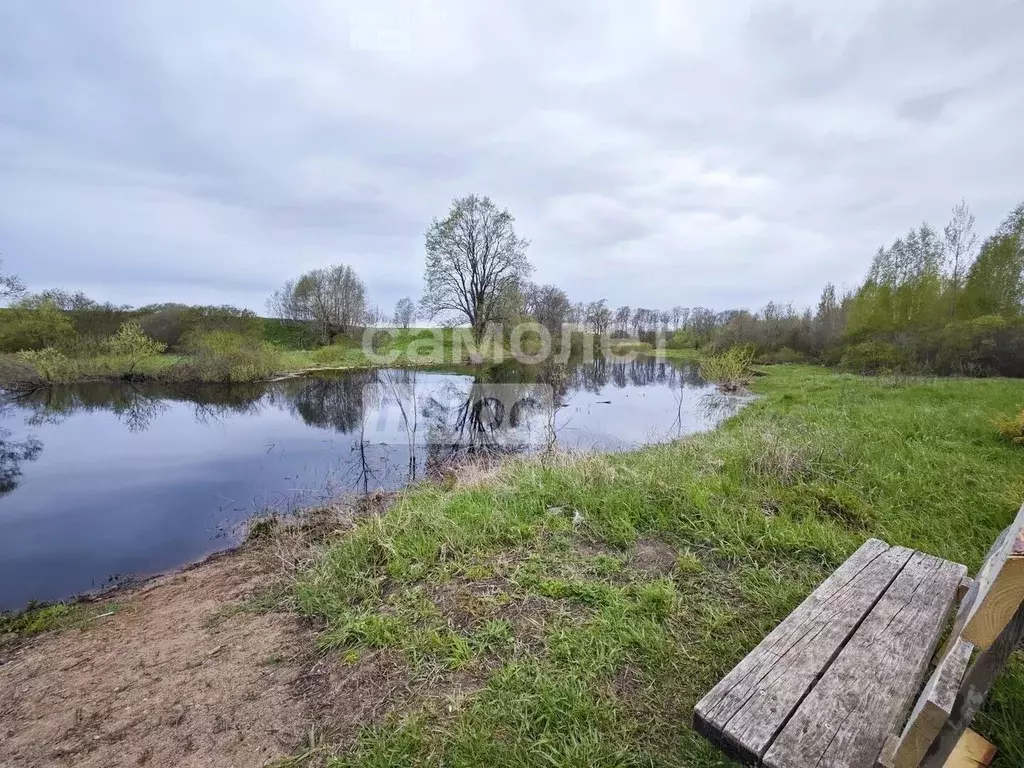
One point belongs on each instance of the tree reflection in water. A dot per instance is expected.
(12, 454)
(440, 418)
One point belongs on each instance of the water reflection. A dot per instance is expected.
(103, 479)
(12, 454)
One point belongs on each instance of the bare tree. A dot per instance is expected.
(63, 300)
(375, 317)
(622, 316)
(405, 312)
(11, 287)
(474, 259)
(960, 243)
(547, 305)
(598, 316)
(579, 314)
(331, 300)
(677, 317)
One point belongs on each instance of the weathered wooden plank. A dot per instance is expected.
(844, 721)
(972, 751)
(998, 589)
(932, 710)
(975, 689)
(744, 712)
(965, 586)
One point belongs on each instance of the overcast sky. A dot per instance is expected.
(655, 153)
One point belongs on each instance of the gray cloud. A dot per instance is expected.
(655, 153)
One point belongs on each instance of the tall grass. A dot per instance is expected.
(1012, 427)
(730, 370)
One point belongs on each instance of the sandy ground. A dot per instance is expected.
(170, 679)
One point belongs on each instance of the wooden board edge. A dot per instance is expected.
(972, 751)
(721, 741)
(986, 622)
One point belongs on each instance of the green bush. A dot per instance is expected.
(130, 345)
(730, 370)
(27, 327)
(683, 339)
(52, 365)
(872, 357)
(177, 325)
(226, 356)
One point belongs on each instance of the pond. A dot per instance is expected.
(100, 483)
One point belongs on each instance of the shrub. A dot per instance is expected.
(977, 346)
(131, 346)
(872, 357)
(1012, 428)
(781, 357)
(683, 339)
(52, 365)
(101, 320)
(226, 356)
(730, 370)
(34, 327)
(165, 326)
(176, 325)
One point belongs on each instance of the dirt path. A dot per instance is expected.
(168, 680)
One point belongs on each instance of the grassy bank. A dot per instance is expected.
(225, 356)
(273, 350)
(571, 612)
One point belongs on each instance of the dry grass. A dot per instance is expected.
(1012, 427)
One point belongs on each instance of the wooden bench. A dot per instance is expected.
(832, 685)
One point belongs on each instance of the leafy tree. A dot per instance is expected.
(133, 345)
(829, 320)
(405, 312)
(331, 300)
(994, 283)
(474, 259)
(10, 286)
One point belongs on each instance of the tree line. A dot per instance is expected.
(941, 301)
(932, 301)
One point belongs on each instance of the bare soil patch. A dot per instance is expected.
(653, 558)
(170, 679)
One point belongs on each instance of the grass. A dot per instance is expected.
(597, 599)
(35, 620)
(396, 347)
